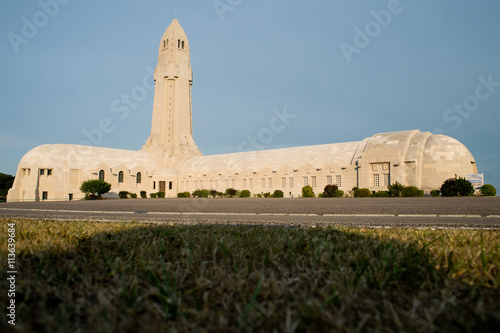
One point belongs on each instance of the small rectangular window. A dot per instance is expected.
(290, 182)
(244, 183)
(263, 182)
(329, 180)
(170, 185)
(376, 180)
(45, 195)
(42, 172)
(313, 181)
(338, 180)
(49, 172)
(387, 179)
(270, 183)
(250, 181)
(306, 181)
(283, 182)
(154, 185)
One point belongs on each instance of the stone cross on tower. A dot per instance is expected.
(171, 135)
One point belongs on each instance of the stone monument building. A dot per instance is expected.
(171, 162)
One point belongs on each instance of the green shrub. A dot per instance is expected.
(488, 190)
(381, 194)
(278, 194)
(245, 194)
(94, 188)
(259, 195)
(457, 187)
(307, 192)
(412, 191)
(362, 193)
(395, 189)
(230, 192)
(204, 193)
(161, 194)
(329, 191)
(133, 195)
(183, 195)
(339, 194)
(153, 195)
(213, 193)
(435, 193)
(267, 195)
(123, 194)
(144, 194)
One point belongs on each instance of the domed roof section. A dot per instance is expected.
(444, 148)
(83, 157)
(339, 155)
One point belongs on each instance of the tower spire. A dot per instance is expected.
(171, 129)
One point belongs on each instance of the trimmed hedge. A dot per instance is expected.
(412, 191)
(362, 193)
(184, 195)
(381, 194)
(435, 193)
(144, 194)
(123, 194)
(307, 192)
(278, 194)
(245, 194)
(488, 190)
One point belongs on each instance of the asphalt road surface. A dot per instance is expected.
(466, 212)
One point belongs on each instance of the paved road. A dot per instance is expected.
(473, 212)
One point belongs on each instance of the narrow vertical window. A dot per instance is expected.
(154, 185)
(376, 180)
(338, 180)
(283, 182)
(42, 172)
(250, 183)
(263, 182)
(49, 172)
(120, 177)
(387, 179)
(290, 182)
(138, 178)
(270, 183)
(183, 45)
(179, 43)
(45, 195)
(329, 180)
(306, 181)
(313, 181)
(101, 175)
(170, 185)
(244, 183)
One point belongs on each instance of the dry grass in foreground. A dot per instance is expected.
(131, 277)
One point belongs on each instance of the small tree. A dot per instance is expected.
(395, 189)
(488, 190)
(230, 192)
(278, 194)
(245, 194)
(94, 188)
(307, 192)
(457, 187)
(329, 191)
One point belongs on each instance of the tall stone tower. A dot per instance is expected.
(171, 136)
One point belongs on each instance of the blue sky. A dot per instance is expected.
(405, 70)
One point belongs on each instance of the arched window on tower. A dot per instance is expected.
(120, 177)
(101, 175)
(183, 45)
(138, 178)
(179, 43)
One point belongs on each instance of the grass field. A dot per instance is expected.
(132, 277)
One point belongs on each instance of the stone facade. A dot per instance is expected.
(171, 162)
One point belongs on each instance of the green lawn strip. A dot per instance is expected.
(115, 277)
